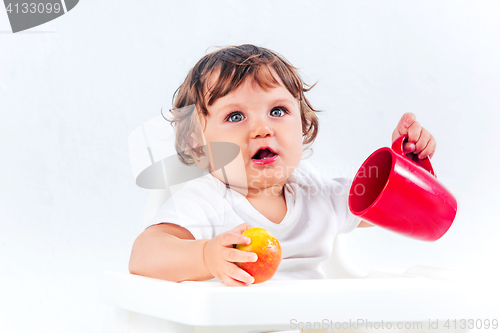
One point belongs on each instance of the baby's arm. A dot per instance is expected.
(364, 224)
(170, 252)
(161, 252)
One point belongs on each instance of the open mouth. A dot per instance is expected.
(263, 154)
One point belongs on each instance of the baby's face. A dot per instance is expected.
(267, 127)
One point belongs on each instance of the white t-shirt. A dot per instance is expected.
(317, 210)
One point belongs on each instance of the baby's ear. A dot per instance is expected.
(199, 152)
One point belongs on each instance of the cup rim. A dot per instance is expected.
(376, 200)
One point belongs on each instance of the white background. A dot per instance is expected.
(72, 90)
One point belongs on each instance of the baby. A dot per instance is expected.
(251, 97)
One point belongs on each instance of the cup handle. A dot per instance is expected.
(425, 163)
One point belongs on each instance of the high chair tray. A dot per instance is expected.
(380, 296)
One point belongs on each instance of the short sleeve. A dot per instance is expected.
(340, 200)
(198, 207)
(191, 217)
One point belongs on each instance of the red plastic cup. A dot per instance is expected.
(402, 194)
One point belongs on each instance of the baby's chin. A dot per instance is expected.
(245, 180)
(252, 185)
(258, 185)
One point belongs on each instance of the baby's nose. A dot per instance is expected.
(262, 129)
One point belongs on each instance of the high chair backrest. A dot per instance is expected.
(156, 167)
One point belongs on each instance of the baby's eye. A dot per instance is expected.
(234, 117)
(278, 112)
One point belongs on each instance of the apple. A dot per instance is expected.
(268, 251)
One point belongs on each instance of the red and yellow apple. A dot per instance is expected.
(268, 250)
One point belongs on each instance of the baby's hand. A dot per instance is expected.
(420, 141)
(220, 257)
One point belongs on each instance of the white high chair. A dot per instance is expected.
(142, 304)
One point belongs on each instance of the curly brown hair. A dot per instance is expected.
(233, 65)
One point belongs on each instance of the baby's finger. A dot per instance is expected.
(422, 142)
(230, 238)
(230, 282)
(408, 147)
(414, 132)
(242, 227)
(239, 275)
(429, 149)
(404, 123)
(234, 255)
